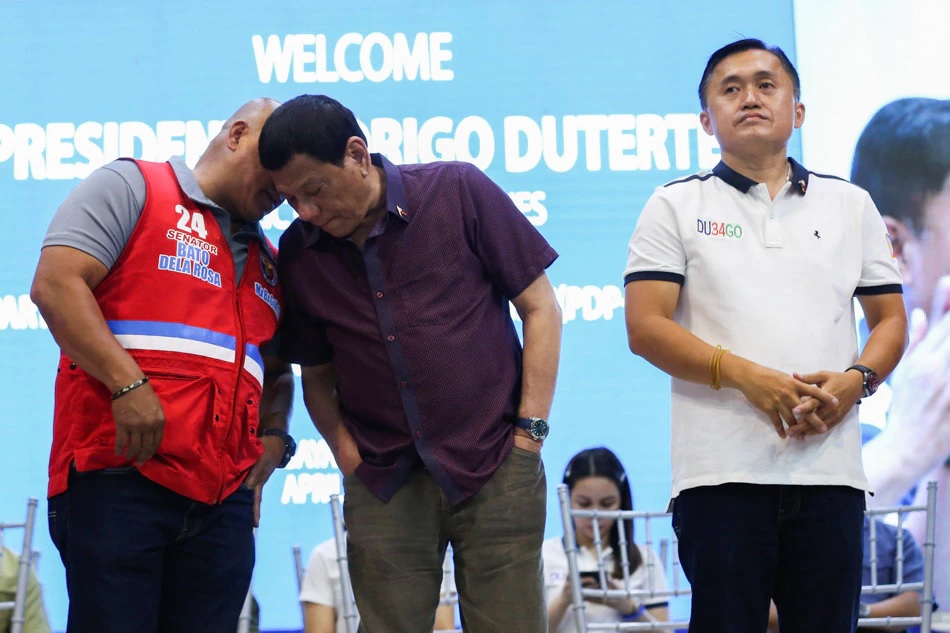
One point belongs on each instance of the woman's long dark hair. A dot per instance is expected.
(601, 462)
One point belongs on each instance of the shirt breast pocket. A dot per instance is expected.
(429, 285)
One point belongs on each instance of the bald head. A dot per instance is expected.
(229, 171)
(254, 113)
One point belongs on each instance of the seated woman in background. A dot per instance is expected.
(322, 593)
(597, 481)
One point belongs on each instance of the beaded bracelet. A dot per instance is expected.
(124, 390)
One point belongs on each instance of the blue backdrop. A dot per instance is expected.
(577, 109)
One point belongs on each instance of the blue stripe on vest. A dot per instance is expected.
(173, 330)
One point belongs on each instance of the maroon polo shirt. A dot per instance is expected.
(418, 324)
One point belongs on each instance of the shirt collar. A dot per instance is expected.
(188, 184)
(396, 203)
(731, 177)
(186, 178)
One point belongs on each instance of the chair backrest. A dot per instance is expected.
(924, 586)
(298, 567)
(244, 620)
(350, 614)
(299, 572)
(449, 596)
(649, 593)
(18, 605)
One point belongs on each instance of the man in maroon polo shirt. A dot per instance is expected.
(397, 283)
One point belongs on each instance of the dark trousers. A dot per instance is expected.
(742, 544)
(140, 558)
(396, 549)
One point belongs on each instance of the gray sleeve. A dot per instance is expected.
(98, 217)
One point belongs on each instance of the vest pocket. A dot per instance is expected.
(193, 429)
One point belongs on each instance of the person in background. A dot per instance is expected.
(322, 594)
(902, 158)
(399, 286)
(740, 284)
(170, 414)
(34, 615)
(597, 481)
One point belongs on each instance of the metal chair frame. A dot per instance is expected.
(350, 614)
(927, 550)
(18, 605)
(578, 593)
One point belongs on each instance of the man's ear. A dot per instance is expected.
(237, 131)
(357, 151)
(799, 114)
(705, 123)
(902, 240)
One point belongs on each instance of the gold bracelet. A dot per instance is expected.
(124, 390)
(714, 370)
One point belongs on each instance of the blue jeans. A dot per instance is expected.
(743, 544)
(140, 558)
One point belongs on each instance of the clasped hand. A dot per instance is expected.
(800, 405)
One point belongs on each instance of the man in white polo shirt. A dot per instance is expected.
(739, 284)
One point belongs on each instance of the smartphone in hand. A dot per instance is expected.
(590, 579)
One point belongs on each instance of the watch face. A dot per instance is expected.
(872, 381)
(539, 428)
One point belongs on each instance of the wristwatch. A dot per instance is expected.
(290, 446)
(871, 379)
(537, 427)
(864, 610)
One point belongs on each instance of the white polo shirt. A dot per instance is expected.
(772, 281)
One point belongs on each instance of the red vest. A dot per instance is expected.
(172, 301)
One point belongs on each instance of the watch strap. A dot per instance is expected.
(290, 446)
(868, 376)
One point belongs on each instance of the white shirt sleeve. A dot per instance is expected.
(879, 265)
(318, 580)
(555, 568)
(656, 250)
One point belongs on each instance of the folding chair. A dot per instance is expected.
(578, 593)
(339, 532)
(448, 598)
(298, 567)
(244, 620)
(299, 572)
(925, 587)
(18, 605)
